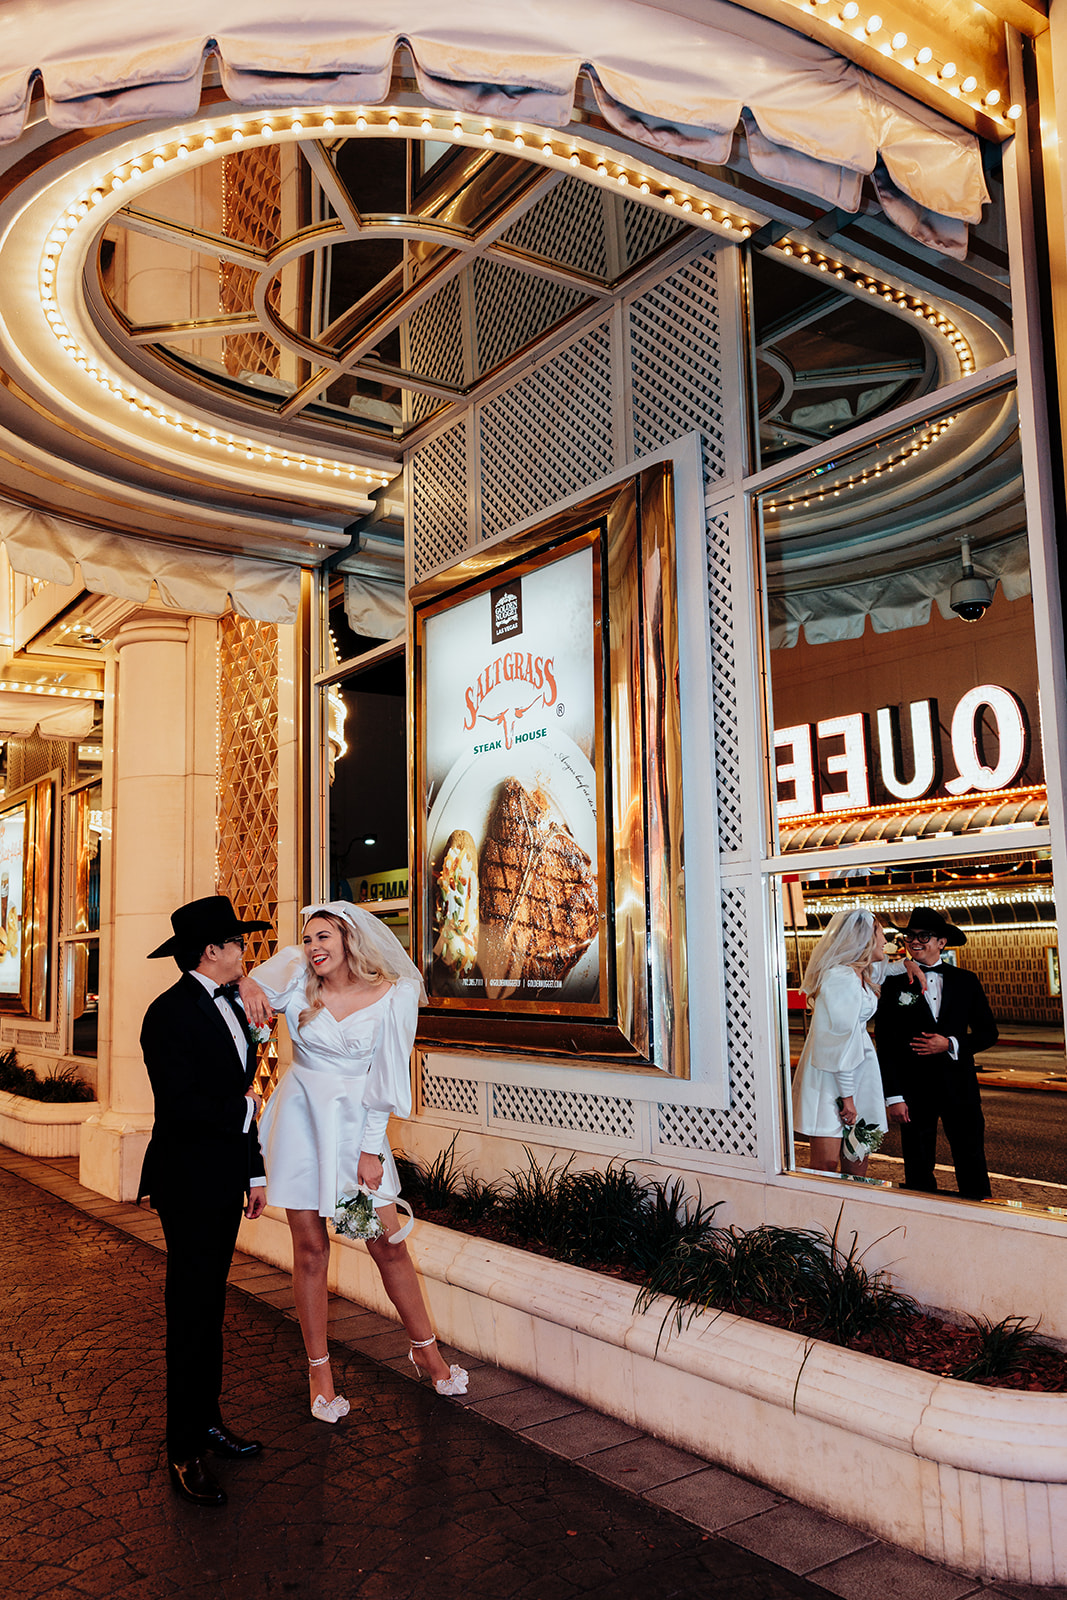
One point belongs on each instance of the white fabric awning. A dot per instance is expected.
(898, 600)
(55, 718)
(374, 607)
(813, 120)
(116, 564)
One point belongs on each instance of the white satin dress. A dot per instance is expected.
(839, 1058)
(334, 1103)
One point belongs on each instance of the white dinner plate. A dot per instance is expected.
(555, 766)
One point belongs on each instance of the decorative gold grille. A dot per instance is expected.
(251, 214)
(247, 811)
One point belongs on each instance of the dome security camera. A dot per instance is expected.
(970, 597)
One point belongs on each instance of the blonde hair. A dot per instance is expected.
(849, 941)
(361, 966)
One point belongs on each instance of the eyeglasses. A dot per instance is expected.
(919, 938)
(236, 940)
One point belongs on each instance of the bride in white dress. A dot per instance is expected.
(350, 997)
(838, 1062)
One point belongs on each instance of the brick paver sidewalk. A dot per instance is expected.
(410, 1498)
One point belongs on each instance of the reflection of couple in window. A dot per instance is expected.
(930, 1020)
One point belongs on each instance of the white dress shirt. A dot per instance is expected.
(935, 988)
(229, 1016)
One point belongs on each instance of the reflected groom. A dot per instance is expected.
(926, 1048)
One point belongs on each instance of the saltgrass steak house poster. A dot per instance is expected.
(511, 791)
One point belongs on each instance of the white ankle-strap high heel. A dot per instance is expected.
(324, 1410)
(455, 1383)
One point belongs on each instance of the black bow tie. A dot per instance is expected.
(922, 965)
(226, 991)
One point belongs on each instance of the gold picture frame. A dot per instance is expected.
(516, 778)
(26, 834)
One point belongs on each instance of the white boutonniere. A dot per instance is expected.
(258, 1032)
(906, 998)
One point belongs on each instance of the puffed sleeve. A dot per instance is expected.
(282, 975)
(387, 1088)
(835, 1040)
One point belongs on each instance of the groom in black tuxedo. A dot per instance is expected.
(926, 1048)
(203, 1167)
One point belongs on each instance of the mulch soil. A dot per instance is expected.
(922, 1340)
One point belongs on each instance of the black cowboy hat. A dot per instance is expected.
(924, 919)
(202, 922)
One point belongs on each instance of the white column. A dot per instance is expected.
(163, 825)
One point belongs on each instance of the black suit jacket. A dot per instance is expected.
(198, 1146)
(965, 1016)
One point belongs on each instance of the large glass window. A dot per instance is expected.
(902, 653)
(1003, 904)
(364, 714)
(905, 737)
(835, 345)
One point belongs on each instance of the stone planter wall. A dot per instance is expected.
(975, 1478)
(43, 1128)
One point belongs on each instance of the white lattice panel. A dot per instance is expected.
(724, 688)
(645, 230)
(548, 436)
(460, 1097)
(733, 1131)
(435, 344)
(603, 1116)
(513, 308)
(551, 435)
(439, 517)
(567, 226)
(677, 361)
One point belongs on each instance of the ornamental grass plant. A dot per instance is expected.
(63, 1086)
(607, 1219)
(807, 1280)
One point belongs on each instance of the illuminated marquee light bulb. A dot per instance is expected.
(948, 71)
(874, 24)
(924, 56)
(969, 85)
(992, 99)
(899, 41)
(1014, 111)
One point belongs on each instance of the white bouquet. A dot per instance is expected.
(861, 1140)
(355, 1217)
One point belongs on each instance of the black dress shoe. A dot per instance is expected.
(221, 1442)
(194, 1483)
